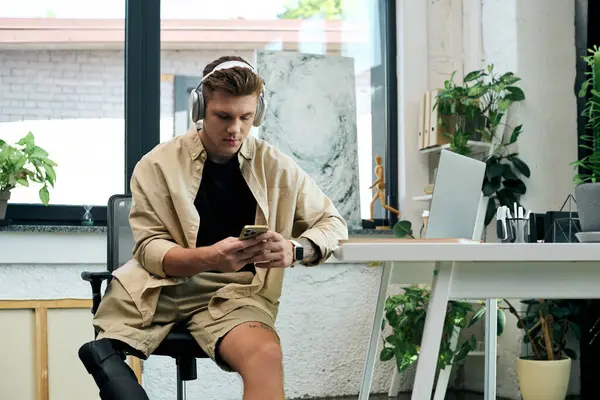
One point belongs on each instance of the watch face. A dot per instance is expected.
(299, 256)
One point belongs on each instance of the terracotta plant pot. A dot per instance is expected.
(4, 197)
(544, 380)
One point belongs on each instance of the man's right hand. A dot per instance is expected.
(228, 255)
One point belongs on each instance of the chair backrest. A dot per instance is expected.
(120, 240)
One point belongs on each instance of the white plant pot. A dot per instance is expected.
(544, 380)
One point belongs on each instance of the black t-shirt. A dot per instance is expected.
(225, 204)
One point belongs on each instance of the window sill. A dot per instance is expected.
(53, 228)
(102, 229)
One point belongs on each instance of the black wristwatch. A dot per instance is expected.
(298, 251)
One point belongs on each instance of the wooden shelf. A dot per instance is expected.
(476, 146)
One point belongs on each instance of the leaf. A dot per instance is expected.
(500, 321)
(462, 353)
(507, 172)
(503, 104)
(515, 134)
(509, 78)
(471, 76)
(514, 93)
(50, 174)
(387, 353)
(491, 211)
(573, 327)
(584, 88)
(477, 316)
(403, 229)
(27, 141)
(506, 197)
(515, 185)
(38, 152)
(23, 182)
(520, 165)
(494, 171)
(570, 353)
(491, 187)
(44, 195)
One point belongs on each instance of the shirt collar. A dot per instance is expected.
(197, 150)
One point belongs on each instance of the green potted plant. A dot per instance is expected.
(547, 325)
(587, 191)
(476, 110)
(405, 314)
(22, 164)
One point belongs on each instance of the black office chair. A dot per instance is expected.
(178, 344)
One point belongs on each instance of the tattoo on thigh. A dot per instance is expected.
(259, 325)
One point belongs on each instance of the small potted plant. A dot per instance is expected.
(547, 326)
(22, 164)
(475, 109)
(587, 191)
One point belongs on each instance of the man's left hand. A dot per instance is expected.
(272, 251)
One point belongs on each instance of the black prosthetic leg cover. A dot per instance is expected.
(113, 376)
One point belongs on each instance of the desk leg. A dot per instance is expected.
(365, 386)
(444, 377)
(432, 333)
(491, 341)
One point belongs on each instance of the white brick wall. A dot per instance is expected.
(81, 84)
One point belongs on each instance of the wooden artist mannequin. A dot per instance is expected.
(380, 184)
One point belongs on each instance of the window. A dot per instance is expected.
(104, 96)
(325, 71)
(62, 70)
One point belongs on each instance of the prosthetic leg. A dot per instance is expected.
(113, 376)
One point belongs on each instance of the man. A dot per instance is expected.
(191, 198)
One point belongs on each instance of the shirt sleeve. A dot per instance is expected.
(152, 238)
(318, 219)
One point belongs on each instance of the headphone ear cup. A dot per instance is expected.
(261, 108)
(196, 105)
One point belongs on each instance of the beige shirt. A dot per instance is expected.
(164, 185)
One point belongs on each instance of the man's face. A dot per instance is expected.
(227, 123)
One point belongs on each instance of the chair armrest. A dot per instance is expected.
(95, 279)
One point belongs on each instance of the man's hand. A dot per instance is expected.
(230, 254)
(271, 251)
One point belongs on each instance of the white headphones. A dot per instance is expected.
(198, 105)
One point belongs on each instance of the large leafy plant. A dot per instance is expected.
(26, 163)
(591, 163)
(547, 324)
(405, 314)
(477, 109)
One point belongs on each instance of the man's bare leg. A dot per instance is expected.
(253, 350)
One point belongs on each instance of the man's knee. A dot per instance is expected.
(112, 375)
(266, 355)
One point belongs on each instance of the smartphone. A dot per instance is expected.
(250, 231)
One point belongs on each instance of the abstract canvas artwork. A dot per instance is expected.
(311, 116)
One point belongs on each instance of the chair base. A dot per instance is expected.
(186, 371)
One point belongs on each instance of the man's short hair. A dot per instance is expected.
(237, 81)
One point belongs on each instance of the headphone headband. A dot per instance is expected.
(227, 65)
(197, 102)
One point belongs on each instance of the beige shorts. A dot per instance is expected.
(118, 317)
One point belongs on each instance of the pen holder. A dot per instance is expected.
(517, 230)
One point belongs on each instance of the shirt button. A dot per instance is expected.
(197, 168)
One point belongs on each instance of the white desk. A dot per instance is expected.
(472, 271)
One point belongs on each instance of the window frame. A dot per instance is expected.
(142, 114)
(142, 110)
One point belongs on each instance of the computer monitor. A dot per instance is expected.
(457, 208)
